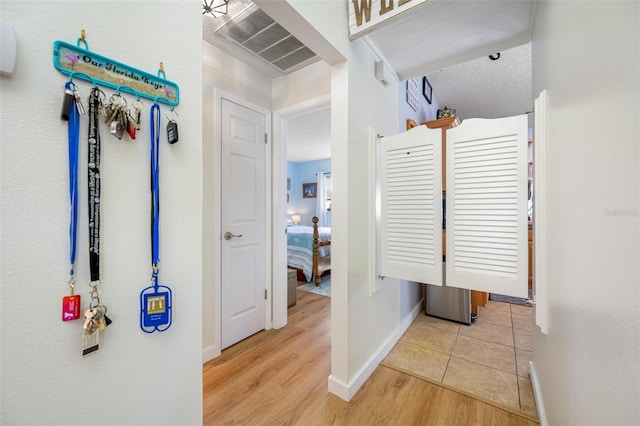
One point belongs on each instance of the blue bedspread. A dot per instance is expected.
(300, 247)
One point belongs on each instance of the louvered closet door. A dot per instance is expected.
(487, 206)
(411, 182)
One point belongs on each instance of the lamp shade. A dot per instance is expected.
(295, 218)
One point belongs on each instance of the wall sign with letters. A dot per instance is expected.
(365, 15)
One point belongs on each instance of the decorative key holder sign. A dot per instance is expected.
(155, 300)
(78, 62)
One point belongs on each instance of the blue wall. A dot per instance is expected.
(426, 111)
(300, 173)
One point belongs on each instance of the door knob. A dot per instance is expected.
(229, 235)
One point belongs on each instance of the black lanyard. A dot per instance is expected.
(93, 165)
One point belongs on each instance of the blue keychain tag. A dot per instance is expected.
(155, 308)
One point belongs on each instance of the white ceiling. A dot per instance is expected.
(309, 136)
(447, 40)
(441, 33)
(482, 88)
(456, 38)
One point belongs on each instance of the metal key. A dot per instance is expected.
(78, 100)
(138, 112)
(90, 324)
(100, 317)
(112, 113)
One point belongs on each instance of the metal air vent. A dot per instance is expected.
(257, 33)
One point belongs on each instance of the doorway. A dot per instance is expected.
(243, 222)
(281, 118)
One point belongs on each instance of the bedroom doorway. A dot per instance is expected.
(296, 128)
(243, 222)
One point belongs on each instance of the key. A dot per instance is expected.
(101, 109)
(90, 324)
(112, 113)
(100, 311)
(78, 100)
(88, 316)
(138, 112)
(172, 131)
(104, 322)
(117, 129)
(126, 121)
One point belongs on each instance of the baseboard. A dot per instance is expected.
(210, 353)
(346, 391)
(537, 394)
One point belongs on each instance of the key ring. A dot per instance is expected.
(174, 113)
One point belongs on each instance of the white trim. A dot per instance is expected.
(279, 216)
(540, 277)
(210, 353)
(373, 160)
(537, 394)
(348, 391)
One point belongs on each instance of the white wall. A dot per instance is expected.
(362, 325)
(588, 366)
(312, 81)
(135, 378)
(221, 71)
(426, 111)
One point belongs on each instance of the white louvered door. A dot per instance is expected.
(487, 206)
(411, 186)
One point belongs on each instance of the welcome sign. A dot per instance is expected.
(365, 15)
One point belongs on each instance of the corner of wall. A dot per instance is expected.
(537, 394)
(347, 391)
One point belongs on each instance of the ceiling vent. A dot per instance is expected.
(257, 33)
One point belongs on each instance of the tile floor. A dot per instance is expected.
(489, 359)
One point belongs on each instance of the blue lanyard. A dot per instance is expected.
(74, 136)
(155, 190)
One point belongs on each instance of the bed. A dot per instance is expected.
(309, 250)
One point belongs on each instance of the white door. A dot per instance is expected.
(243, 223)
(411, 214)
(486, 206)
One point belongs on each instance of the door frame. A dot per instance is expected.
(213, 238)
(280, 117)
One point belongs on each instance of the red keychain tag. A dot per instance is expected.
(71, 307)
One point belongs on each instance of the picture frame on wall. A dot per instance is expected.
(309, 190)
(412, 94)
(427, 90)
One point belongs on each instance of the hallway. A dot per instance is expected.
(280, 377)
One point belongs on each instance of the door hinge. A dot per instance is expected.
(265, 138)
(265, 294)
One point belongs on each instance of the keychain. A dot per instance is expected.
(172, 128)
(96, 320)
(71, 303)
(155, 300)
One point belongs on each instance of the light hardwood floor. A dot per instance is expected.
(280, 377)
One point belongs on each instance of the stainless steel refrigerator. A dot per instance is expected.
(448, 303)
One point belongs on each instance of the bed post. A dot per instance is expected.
(316, 250)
